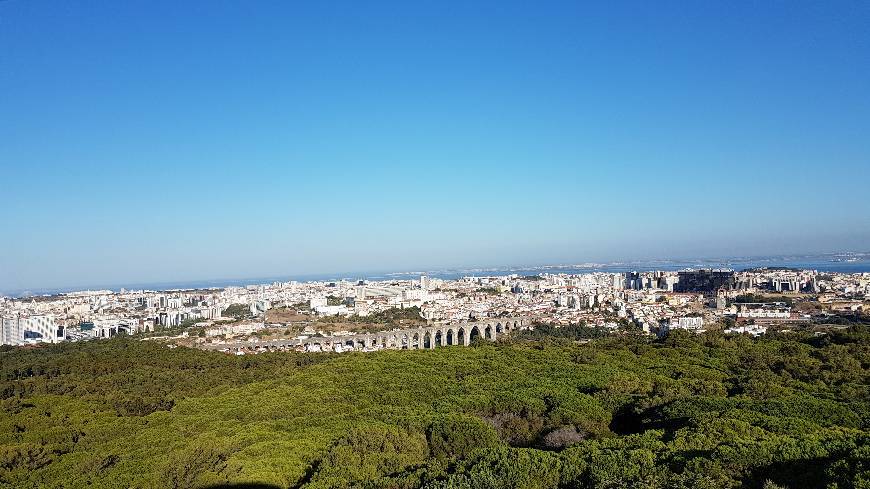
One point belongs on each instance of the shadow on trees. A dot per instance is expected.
(626, 421)
(246, 485)
(794, 473)
(629, 420)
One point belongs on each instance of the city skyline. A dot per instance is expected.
(842, 261)
(162, 142)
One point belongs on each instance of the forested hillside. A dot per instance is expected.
(693, 412)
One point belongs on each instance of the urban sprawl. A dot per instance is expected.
(352, 316)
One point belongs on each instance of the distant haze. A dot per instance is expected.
(156, 141)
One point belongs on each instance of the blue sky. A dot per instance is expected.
(160, 141)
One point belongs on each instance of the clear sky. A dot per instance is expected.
(164, 140)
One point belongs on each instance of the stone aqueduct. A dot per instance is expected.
(425, 338)
(422, 338)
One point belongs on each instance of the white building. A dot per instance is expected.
(18, 330)
(751, 329)
(691, 323)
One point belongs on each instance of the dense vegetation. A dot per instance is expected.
(700, 412)
(845, 319)
(555, 333)
(394, 316)
(760, 298)
(237, 311)
(531, 278)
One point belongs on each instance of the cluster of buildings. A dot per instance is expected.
(655, 302)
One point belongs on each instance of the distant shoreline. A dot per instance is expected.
(834, 262)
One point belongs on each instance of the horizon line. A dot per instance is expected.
(320, 276)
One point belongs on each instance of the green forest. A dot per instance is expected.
(708, 411)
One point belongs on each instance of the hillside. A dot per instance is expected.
(790, 411)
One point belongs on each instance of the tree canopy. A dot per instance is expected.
(788, 410)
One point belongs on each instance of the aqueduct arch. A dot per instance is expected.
(428, 338)
(474, 334)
